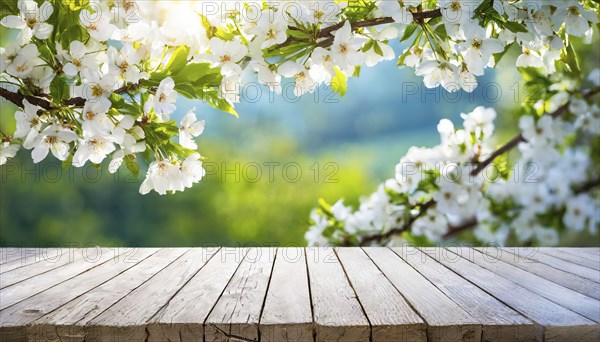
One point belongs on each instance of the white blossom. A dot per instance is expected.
(7, 151)
(189, 128)
(31, 20)
(164, 100)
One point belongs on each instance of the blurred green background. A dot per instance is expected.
(342, 147)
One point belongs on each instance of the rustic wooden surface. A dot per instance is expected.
(300, 294)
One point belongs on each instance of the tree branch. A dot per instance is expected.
(587, 186)
(406, 226)
(514, 142)
(17, 98)
(328, 31)
(453, 230)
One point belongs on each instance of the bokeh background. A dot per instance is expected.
(343, 148)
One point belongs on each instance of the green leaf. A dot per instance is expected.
(179, 59)
(68, 162)
(76, 5)
(187, 90)
(59, 89)
(216, 102)
(498, 56)
(75, 32)
(515, 27)
(8, 7)
(169, 127)
(377, 49)
(339, 83)
(120, 106)
(132, 164)
(570, 58)
(200, 74)
(46, 54)
(408, 32)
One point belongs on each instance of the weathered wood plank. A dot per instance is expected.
(35, 268)
(554, 322)
(577, 302)
(287, 314)
(8, 254)
(582, 252)
(83, 260)
(337, 313)
(563, 265)
(29, 256)
(127, 319)
(182, 319)
(568, 280)
(591, 250)
(237, 312)
(391, 318)
(68, 321)
(14, 318)
(576, 259)
(446, 320)
(499, 322)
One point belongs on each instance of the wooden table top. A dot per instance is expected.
(300, 294)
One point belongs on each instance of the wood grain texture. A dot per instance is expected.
(582, 252)
(182, 319)
(297, 294)
(582, 260)
(68, 321)
(563, 265)
(337, 313)
(499, 322)
(575, 301)
(236, 314)
(568, 280)
(16, 259)
(553, 322)
(17, 316)
(391, 318)
(83, 260)
(287, 314)
(445, 319)
(26, 255)
(127, 319)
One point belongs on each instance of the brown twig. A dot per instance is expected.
(327, 32)
(514, 142)
(587, 186)
(378, 237)
(17, 98)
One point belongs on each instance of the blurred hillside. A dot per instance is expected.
(342, 147)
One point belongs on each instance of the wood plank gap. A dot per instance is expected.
(184, 284)
(287, 313)
(12, 295)
(262, 308)
(575, 259)
(575, 301)
(499, 321)
(356, 294)
(568, 280)
(17, 319)
(446, 321)
(127, 319)
(554, 322)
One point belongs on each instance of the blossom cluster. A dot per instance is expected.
(97, 83)
(440, 191)
(99, 79)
